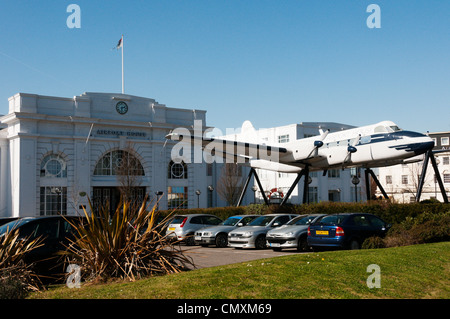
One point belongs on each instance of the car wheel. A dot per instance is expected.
(260, 242)
(222, 240)
(302, 244)
(190, 240)
(354, 244)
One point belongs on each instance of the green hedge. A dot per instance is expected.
(390, 212)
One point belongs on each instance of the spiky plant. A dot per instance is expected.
(128, 244)
(17, 277)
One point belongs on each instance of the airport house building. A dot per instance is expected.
(57, 153)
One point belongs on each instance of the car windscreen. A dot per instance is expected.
(13, 224)
(261, 221)
(301, 220)
(331, 220)
(231, 221)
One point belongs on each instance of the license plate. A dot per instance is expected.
(274, 244)
(321, 232)
(171, 228)
(198, 238)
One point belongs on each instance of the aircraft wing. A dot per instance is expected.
(236, 151)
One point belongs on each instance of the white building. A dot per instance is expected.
(56, 152)
(401, 181)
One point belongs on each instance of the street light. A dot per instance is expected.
(254, 189)
(198, 192)
(158, 194)
(210, 197)
(355, 181)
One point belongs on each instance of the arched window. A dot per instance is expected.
(177, 170)
(118, 163)
(53, 166)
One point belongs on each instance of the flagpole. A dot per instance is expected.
(123, 90)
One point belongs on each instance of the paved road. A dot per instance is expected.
(212, 256)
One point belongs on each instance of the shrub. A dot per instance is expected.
(16, 278)
(128, 244)
(373, 242)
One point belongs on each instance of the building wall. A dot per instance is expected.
(80, 130)
(401, 181)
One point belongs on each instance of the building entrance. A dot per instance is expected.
(109, 197)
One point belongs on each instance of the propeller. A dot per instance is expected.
(352, 148)
(319, 143)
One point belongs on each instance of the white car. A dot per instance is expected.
(294, 234)
(254, 235)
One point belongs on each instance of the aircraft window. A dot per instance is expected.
(380, 129)
(364, 139)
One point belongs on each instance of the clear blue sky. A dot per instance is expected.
(274, 62)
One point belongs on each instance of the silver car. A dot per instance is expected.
(254, 234)
(218, 235)
(293, 234)
(183, 227)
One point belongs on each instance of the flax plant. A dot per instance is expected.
(13, 267)
(128, 244)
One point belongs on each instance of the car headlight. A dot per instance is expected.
(247, 234)
(206, 233)
(291, 233)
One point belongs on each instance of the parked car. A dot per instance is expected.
(4, 220)
(218, 235)
(254, 234)
(183, 227)
(347, 231)
(55, 233)
(293, 234)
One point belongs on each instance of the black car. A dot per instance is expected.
(4, 220)
(346, 231)
(55, 231)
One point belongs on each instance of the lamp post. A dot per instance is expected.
(254, 189)
(158, 194)
(198, 192)
(355, 181)
(210, 197)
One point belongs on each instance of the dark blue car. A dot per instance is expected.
(345, 231)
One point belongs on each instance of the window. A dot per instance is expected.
(177, 170)
(405, 179)
(177, 197)
(53, 201)
(334, 173)
(53, 166)
(313, 195)
(118, 163)
(446, 178)
(445, 141)
(388, 179)
(283, 138)
(445, 160)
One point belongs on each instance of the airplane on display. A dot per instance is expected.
(377, 145)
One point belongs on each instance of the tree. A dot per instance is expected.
(230, 183)
(129, 173)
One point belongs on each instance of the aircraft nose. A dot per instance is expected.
(423, 147)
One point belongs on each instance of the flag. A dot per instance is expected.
(119, 44)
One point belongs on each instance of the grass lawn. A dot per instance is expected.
(419, 271)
